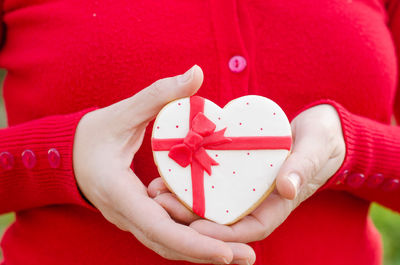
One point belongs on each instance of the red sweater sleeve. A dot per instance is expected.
(36, 163)
(394, 24)
(371, 169)
(36, 160)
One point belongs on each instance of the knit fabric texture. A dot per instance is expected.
(65, 57)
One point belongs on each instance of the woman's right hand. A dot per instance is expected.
(106, 141)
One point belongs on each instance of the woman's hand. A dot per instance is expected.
(106, 141)
(317, 153)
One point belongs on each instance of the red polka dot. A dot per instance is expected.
(212, 187)
(216, 155)
(234, 172)
(179, 104)
(177, 126)
(261, 129)
(274, 113)
(254, 189)
(227, 211)
(219, 118)
(247, 103)
(185, 189)
(240, 123)
(169, 170)
(248, 154)
(271, 165)
(158, 127)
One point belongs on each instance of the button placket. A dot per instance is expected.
(234, 67)
(237, 64)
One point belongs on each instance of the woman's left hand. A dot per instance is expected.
(317, 153)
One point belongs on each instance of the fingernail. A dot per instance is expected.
(294, 178)
(158, 193)
(186, 77)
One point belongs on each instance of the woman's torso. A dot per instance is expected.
(63, 56)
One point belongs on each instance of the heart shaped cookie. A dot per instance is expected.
(221, 162)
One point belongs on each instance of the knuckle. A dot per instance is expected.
(121, 225)
(165, 254)
(263, 235)
(262, 232)
(311, 165)
(160, 250)
(116, 218)
(156, 89)
(147, 239)
(150, 235)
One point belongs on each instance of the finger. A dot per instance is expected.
(171, 254)
(242, 254)
(183, 240)
(257, 226)
(144, 214)
(311, 150)
(157, 187)
(176, 209)
(246, 230)
(145, 105)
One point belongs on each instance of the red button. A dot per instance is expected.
(54, 158)
(342, 177)
(391, 184)
(355, 180)
(6, 160)
(374, 181)
(28, 159)
(237, 64)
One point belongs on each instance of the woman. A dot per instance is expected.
(330, 64)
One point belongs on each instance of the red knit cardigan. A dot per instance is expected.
(66, 56)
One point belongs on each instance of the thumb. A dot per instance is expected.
(145, 105)
(311, 149)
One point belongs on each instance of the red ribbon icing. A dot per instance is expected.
(191, 150)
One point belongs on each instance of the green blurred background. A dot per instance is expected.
(387, 222)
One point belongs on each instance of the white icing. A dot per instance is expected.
(254, 169)
(178, 178)
(174, 114)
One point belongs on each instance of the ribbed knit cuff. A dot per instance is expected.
(51, 179)
(371, 148)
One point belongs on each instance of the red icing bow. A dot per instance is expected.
(201, 135)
